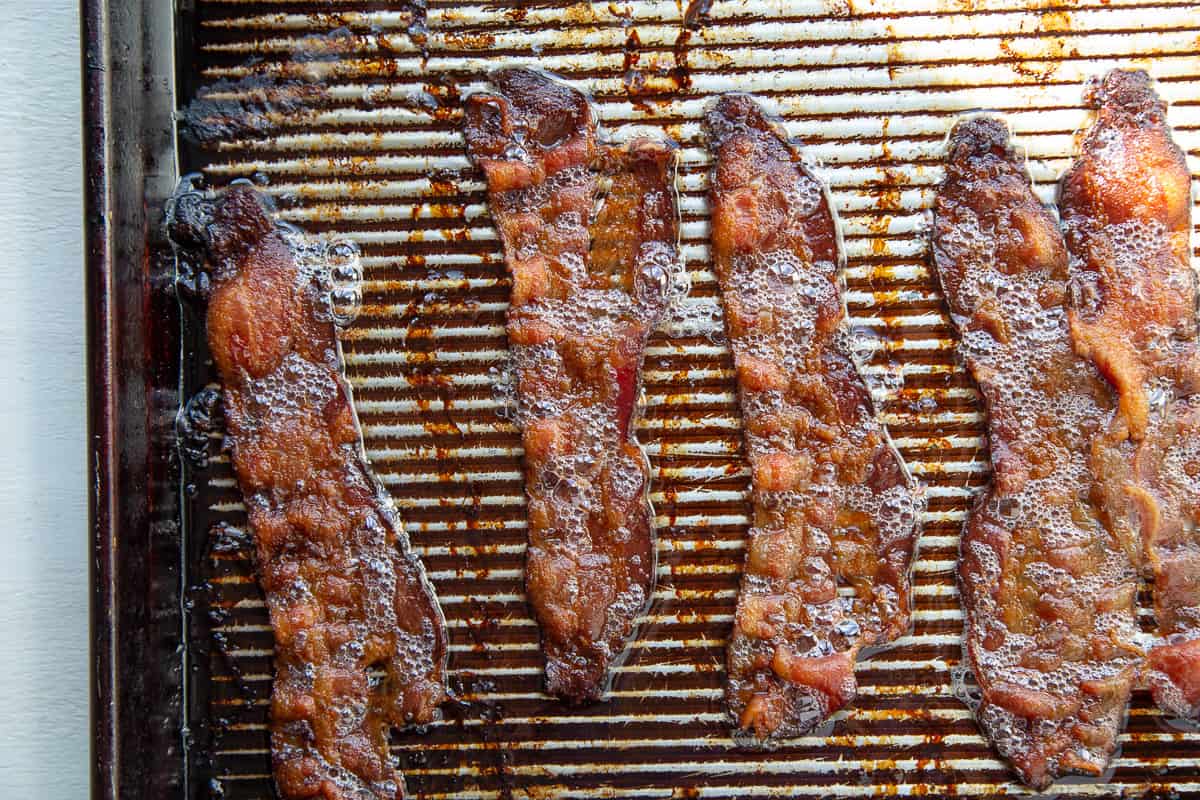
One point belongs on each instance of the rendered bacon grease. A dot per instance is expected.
(1126, 207)
(835, 513)
(586, 295)
(347, 598)
(1047, 587)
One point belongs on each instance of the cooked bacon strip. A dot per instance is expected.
(1047, 588)
(836, 514)
(345, 594)
(1126, 207)
(585, 299)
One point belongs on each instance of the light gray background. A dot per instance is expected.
(44, 733)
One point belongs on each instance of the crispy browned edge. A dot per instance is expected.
(535, 141)
(990, 230)
(1134, 316)
(345, 592)
(772, 689)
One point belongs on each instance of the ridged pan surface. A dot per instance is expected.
(349, 114)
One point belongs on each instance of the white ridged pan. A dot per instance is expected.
(350, 115)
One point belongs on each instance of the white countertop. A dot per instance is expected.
(44, 737)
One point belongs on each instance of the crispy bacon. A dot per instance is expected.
(586, 295)
(836, 514)
(347, 598)
(1126, 206)
(1047, 586)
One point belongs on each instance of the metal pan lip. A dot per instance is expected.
(130, 324)
(101, 376)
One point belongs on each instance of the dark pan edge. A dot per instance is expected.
(132, 335)
(99, 374)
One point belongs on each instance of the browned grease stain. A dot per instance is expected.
(347, 165)
(617, 11)
(1040, 57)
(887, 197)
(447, 98)
(423, 373)
(693, 20)
(879, 226)
(649, 76)
(681, 72)
(442, 187)
(886, 273)
(976, 5)
(469, 41)
(933, 470)
(670, 494)
(886, 297)
(633, 77)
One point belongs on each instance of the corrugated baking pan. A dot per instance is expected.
(347, 113)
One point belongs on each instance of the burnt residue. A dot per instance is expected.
(647, 76)
(632, 75)
(192, 282)
(472, 720)
(260, 103)
(198, 420)
(223, 545)
(696, 14)
(252, 106)
(681, 73)
(225, 539)
(492, 714)
(418, 25)
(446, 101)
